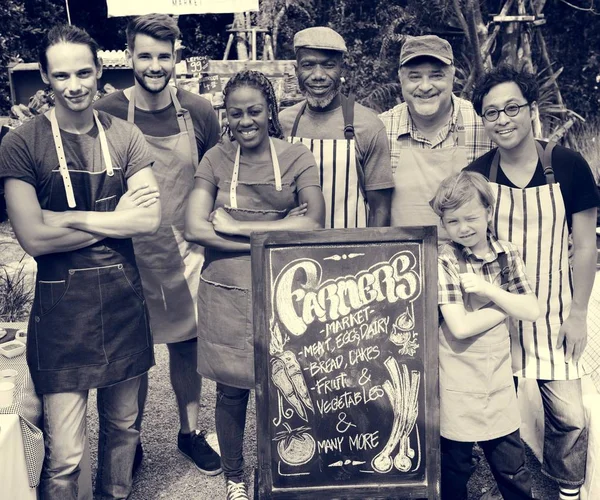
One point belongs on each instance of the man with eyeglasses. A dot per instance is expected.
(432, 134)
(544, 192)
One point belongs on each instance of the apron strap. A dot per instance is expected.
(297, 120)
(458, 131)
(236, 173)
(184, 120)
(545, 155)
(62, 160)
(348, 114)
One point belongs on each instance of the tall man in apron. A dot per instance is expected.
(347, 139)
(544, 192)
(179, 128)
(432, 134)
(72, 181)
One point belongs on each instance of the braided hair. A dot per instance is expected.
(258, 81)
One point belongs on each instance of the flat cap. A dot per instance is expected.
(320, 38)
(426, 45)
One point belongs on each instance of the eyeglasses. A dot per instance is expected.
(512, 109)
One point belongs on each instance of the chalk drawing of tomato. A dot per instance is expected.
(296, 446)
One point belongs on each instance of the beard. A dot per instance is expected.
(153, 90)
(321, 101)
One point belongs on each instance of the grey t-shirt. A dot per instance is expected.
(28, 153)
(372, 148)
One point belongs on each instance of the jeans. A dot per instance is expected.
(506, 457)
(230, 422)
(565, 434)
(64, 436)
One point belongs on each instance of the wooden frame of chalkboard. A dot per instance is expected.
(346, 363)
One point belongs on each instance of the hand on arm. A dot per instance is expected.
(520, 306)
(199, 220)
(573, 332)
(380, 203)
(137, 213)
(35, 234)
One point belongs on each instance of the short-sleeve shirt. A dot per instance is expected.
(489, 268)
(571, 171)
(163, 122)
(28, 153)
(372, 151)
(296, 163)
(402, 133)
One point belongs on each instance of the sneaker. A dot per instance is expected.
(492, 494)
(194, 447)
(137, 459)
(236, 490)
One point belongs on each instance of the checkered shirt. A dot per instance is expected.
(402, 133)
(449, 289)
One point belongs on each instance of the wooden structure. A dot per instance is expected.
(521, 34)
(244, 32)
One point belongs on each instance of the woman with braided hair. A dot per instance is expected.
(251, 181)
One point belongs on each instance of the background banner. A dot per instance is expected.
(118, 8)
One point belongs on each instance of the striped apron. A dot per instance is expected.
(341, 182)
(535, 220)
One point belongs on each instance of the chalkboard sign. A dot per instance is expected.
(346, 343)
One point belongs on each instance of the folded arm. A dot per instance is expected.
(313, 218)
(522, 306)
(126, 221)
(34, 235)
(464, 324)
(198, 221)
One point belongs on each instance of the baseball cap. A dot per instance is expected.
(320, 38)
(426, 45)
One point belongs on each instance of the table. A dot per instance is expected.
(27, 408)
(13, 466)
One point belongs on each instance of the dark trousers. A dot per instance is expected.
(230, 422)
(506, 457)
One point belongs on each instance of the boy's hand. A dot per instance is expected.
(472, 283)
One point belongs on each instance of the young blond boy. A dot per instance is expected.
(482, 281)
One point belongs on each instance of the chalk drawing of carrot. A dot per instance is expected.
(294, 372)
(286, 387)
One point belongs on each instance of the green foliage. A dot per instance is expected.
(373, 30)
(15, 294)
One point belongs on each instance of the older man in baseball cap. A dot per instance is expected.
(432, 134)
(348, 140)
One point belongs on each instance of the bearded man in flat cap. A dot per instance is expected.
(348, 140)
(432, 134)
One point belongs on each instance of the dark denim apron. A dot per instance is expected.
(88, 326)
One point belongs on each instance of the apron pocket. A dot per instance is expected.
(223, 313)
(50, 294)
(100, 317)
(106, 204)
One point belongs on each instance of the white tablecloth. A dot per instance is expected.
(14, 481)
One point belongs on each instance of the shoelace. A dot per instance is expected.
(236, 491)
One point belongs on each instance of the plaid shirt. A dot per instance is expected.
(402, 132)
(449, 289)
